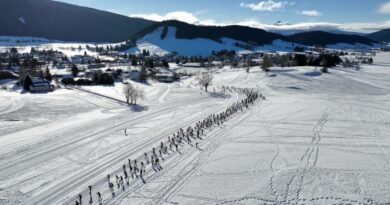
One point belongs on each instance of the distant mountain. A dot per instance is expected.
(244, 34)
(380, 36)
(288, 32)
(66, 22)
(322, 38)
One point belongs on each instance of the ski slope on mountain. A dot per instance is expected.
(316, 139)
(156, 44)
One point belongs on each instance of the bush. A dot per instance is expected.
(68, 81)
(7, 75)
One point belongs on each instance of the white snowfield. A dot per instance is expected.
(316, 139)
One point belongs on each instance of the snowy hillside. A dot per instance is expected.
(195, 47)
(156, 43)
(67, 48)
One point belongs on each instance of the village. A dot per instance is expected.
(46, 70)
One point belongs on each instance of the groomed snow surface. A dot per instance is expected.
(316, 139)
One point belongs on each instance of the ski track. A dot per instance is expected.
(289, 174)
(52, 194)
(212, 142)
(57, 148)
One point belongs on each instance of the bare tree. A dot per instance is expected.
(137, 94)
(128, 90)
(205, 79)
(267, 63)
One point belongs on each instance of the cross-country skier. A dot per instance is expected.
(111, 185)
(126, 176)
(122, 183)
(136, 168)
(117, 181)
(81, 199)
(99, 198)
(131, 169)
(142, 167)
(90, 194)
(146, 158)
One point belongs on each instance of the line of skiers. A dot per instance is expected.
(191, 136)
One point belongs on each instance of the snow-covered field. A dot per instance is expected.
(316, 139)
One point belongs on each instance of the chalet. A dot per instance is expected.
(166, 77)
(40, 85)
(96, 66)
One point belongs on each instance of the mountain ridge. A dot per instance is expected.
(61, 21)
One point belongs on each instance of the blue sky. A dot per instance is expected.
(354, 15)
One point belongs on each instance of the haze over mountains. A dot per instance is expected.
(65, 22)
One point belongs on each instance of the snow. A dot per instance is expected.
(316, 139)
(186, 47)
(204, 47)
(277, 46)
(357, 46)
(24, 45)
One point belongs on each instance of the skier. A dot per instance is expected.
(90, 194)
(81, 199)
(122, 183)
(141, 176)
(131, 169)
(127, 178)
(111, 185)
(142, 167)
(100, 198)
(157, 163)
(136, 168)
(117, 181)
(146, 158)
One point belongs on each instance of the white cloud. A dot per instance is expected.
(358, 27)
(369, 26)
(266, 5)
(176, 15)
(193, 19)
(310, 13)
(384, 8)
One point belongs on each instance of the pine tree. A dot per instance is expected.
(48, 75)
(27, 83)
(143, 74)
(165, 64)
(75, 71)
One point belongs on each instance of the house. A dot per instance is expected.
(40, 85)
(135, 75)
(96, 66)
(91, 73)
(166, 77)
